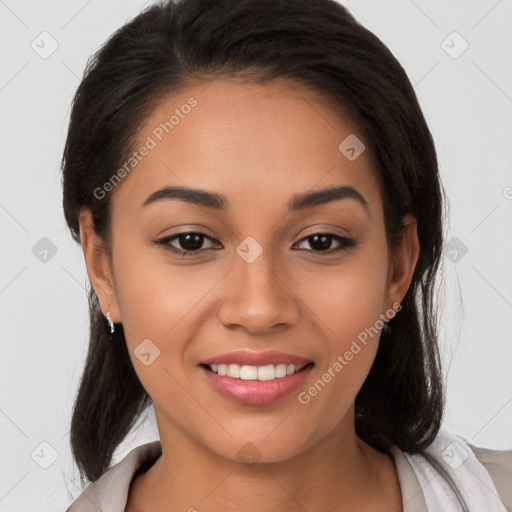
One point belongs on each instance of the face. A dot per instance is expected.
(306, 281)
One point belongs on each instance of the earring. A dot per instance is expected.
(110, 323)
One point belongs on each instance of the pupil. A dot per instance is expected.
(325, 241)
(190, 246)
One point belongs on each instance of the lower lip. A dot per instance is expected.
(256, 392)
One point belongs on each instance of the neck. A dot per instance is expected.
(341, 473)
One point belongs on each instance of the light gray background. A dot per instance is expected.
(43, 308)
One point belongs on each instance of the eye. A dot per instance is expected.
(321, 242)
(191, 243)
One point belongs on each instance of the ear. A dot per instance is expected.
(98, 266)
(403, 262)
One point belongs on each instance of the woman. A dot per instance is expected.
(290, 352)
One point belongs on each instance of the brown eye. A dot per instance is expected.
(321, 242)
(190, 243)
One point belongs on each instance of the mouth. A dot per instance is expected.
(260, 373)
(256, 378)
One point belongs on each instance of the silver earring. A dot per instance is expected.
(110, 323)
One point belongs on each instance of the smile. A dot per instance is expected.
(247, 372)
(255, 385)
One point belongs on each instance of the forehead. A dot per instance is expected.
(247, 142)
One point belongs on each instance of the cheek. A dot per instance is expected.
(152, 295)
(347, 299)
(348, 311)
(347, 303)
(156, 302)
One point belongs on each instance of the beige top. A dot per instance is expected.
(110, 492)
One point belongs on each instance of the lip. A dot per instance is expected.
(247, 357)
(256, 392)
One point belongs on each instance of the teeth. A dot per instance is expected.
(233, 371)
(267, 372)
(247, 372)
(280, 370)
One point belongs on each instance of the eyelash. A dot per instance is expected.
(346, 243)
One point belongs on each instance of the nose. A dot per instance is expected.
(259, 296)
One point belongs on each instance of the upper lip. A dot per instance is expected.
(246, 357)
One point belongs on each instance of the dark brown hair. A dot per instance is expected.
(316, 44)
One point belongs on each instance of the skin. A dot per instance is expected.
(257, 145)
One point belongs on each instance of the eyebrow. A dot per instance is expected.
(298, 202)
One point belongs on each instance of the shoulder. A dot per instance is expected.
(110, 492)
(498, 464)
